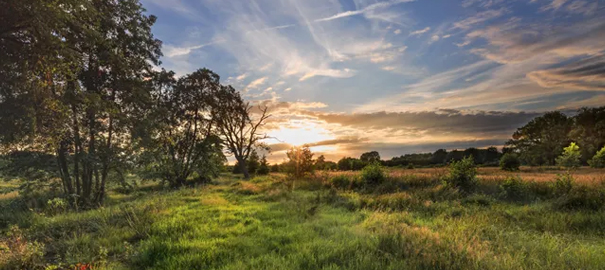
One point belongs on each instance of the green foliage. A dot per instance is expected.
(463, 175)
(263, 168)
(340, 181)
(582, 198)
(253, 162)
(370, 157)
(275, 168)
(510, 162)
(515, 189)
(373, 175)
(300, 162)
(350, 164)
(563, 184)
(598, 161)
(570, 157)
(18, 252)
(542, 139)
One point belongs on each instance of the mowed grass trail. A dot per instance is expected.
(263, 224)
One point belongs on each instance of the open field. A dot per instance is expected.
(412, 223)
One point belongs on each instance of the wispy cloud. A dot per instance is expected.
(420, 32)
(479, 18)
(256, 83)
(372, 7)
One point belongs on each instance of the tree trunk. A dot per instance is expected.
(62, 159)
(243, 167)
(77, 149)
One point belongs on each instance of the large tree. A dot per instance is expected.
(542, 139)
(589, 131)
(238, 127)
(178, 136)
(83, 68)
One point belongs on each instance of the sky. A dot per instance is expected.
(395, 76)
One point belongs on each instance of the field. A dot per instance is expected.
(411, 221)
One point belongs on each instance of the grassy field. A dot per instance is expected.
(412, 221)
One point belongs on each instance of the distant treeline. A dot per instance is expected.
(537, 143)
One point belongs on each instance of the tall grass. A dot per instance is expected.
(406, 221)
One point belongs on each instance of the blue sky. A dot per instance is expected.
(326, 67)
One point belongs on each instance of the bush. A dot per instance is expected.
(598, 161)
(340, 182)
(17, 252)
(463, 175)
(515, 189)
(582, 198)
(510, 162)
(570, 157)
(563, 184)
(410, 166)
(373, 175)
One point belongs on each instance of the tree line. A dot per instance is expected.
(553, 138)
(83, 101)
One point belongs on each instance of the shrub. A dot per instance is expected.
(514, 188)
(463, 175)
(263, 168)
(17, 252)
(510, 162)
(570, 157)
(372, 175)
(410, 166)
(563, 184)
(582, 198)
(598, 161)
(340, 182)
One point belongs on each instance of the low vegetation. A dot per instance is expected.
(375, 219)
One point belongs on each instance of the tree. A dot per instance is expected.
(263, 169)
(181, 140)
(439, 156)
(370, 157)
(275, 167)
(463, 175)
(589, 131)
(491, 156)
(75, 75)
(236, 126)
(300, 161)
(570, 157)
(253, 162)
(510, 162)
(350, 164)
(598, 161)
(541, 140)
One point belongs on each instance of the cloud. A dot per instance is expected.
(583, 7)
(256, 83)
(420, 32)
(479, 18)
(372, 7)
(514, 42)
(554, 5)
(241, 77)
(473, 123)
(397, 32)
(585, 74)
(173, 51)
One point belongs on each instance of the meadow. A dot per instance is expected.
(410, 221)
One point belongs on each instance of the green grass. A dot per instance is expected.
(262, 224)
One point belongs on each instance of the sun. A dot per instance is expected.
(301, 132)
